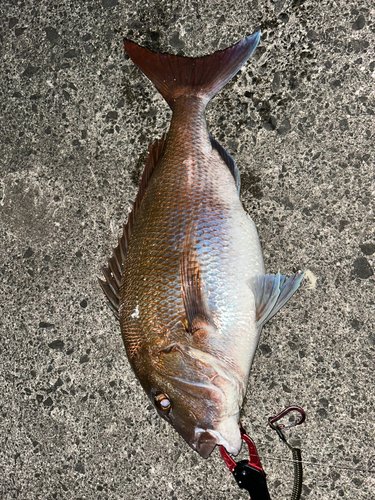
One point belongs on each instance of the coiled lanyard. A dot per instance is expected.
(250, 475)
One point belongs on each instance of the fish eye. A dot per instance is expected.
(163, 402)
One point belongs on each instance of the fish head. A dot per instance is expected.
(199, 395)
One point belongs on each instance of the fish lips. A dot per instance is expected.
(208, 439)
(205, 444)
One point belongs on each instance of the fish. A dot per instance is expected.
(187, 280)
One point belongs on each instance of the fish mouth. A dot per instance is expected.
(209, 438)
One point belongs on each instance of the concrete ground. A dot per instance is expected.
(76, 121)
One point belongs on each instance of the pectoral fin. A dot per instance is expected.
(198, 316)
(271, 293)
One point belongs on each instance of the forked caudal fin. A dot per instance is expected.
(175, 76)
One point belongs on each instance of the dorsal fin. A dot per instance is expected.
(198, 316)
(226, 157)
(113, 273)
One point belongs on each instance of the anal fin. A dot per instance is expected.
(113, 273)
(271, 293)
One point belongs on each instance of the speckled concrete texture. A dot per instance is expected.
(76, 121)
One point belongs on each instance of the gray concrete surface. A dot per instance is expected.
(76, 121)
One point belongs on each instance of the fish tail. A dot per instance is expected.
(174, 76)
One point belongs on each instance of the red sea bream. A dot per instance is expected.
(187, 279)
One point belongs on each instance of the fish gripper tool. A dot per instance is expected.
(249, 474)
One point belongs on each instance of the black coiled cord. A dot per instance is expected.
(298, 475)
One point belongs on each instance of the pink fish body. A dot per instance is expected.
(187, 280)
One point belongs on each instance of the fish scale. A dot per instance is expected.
(194, 294)
(213, 203)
